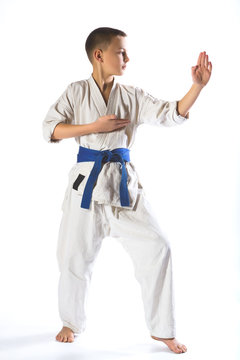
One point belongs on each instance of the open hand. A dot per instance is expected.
(202, 71)
(109, 123)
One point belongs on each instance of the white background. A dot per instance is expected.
(190, 173)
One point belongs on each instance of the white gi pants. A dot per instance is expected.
(80, 236)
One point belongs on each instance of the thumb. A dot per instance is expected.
(194, 68)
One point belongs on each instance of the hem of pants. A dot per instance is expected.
(164, 334)
(73, 328)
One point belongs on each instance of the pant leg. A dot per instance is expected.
(139, 233)
(80, 238)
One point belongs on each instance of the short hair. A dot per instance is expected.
(100, 38)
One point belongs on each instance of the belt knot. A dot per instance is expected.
(101, 157)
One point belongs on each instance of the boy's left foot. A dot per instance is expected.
(173, 344)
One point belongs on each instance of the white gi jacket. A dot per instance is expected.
(83, 103)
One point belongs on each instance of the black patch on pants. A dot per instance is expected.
(78, 181)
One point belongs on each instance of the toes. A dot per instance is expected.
(177, 349)
(70, 338)
(182, 347)
(65, 339)
(58, 337)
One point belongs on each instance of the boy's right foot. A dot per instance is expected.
(173, 344)
(65, 335)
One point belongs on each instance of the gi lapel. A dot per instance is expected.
(98, 99)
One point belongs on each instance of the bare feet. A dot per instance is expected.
(173, 344)
(65, 335)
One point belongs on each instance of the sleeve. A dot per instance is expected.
(158, 112)
(61, 111)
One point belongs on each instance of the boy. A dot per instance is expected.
(104, 196)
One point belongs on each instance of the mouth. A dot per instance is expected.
(124, 67)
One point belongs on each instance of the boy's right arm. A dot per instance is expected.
(105, 123)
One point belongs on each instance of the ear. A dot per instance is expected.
(98, 54)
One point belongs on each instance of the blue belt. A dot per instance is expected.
(102, 157)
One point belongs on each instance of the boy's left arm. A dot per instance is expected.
(200, 74)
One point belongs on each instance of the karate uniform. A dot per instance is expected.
(82, 230)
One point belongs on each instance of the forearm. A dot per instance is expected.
(184, 105)
(64, 131)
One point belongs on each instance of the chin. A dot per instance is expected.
(119, 72)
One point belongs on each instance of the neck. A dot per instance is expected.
(104, 82)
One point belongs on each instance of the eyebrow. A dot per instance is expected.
(121, 48)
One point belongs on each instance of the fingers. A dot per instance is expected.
(199, 59)
(120, 124)
(122, 120)
(207, 64)
(117, 121)
(110, 122)
(210, 66)
(203, 61)
(206, 60)
(114, 117)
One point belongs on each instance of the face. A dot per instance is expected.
(115, 57)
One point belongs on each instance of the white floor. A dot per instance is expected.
(39, 343)
(207, 317)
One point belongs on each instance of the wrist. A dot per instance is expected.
(93, 127)
(198, 87)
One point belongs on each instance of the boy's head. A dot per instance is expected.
(106, 48)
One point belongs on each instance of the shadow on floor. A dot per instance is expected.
(76, 350)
